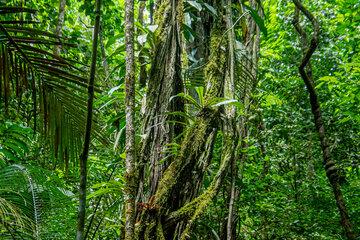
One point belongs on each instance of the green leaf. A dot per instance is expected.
(187, 97)
(211, 9)
(200, 93)
(188, 33)
(225, 102)
(195, 4)
(259, 20)
(8, 154)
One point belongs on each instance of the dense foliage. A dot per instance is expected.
(225, 141)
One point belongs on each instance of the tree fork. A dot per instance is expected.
(306, 74)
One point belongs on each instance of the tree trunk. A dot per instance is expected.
(252, 44)
(59, 26)
(103, 53)
(87, 138)
(141, 58)
(230, 113)
(164, 82)
(306, 74)
(131, 175)
(162, 214)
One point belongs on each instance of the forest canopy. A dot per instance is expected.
(179, 119)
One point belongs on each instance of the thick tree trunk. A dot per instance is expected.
(87, 138)
(306, 74)
(60, 24)
(159, 220)
(131, 175)
(172, 209)
(164, 82)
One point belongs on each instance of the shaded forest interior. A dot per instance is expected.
(179, 119)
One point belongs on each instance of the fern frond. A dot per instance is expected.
(30, 198)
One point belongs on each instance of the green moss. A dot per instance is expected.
(215, 68)
(190, 150)
(149, 230)
(160, 232)
(160, 16)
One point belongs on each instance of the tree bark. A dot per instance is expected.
(59, 26)
(306, 74)
(131, 176)
(141, 58)
(163, 212)
(230, 113)
(164, 82)
(87, 138)
(251, 42)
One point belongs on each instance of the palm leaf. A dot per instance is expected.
(57, 86)
(245, 80)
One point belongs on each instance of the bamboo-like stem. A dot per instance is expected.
(87, 139)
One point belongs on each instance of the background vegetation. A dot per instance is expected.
(280, 183)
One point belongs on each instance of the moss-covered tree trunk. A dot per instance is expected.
(176, 197)
(160, 218)
(164, 82)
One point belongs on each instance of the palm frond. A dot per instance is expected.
(245, 70)
(56, 87)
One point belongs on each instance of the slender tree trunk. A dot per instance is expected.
(230, 112)
(306, 74)
(130, 184)
(87, 139)
(103, 53)
(141, 58)
(60, 24)
(151, 10)
(252, 44)
(231, 223)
